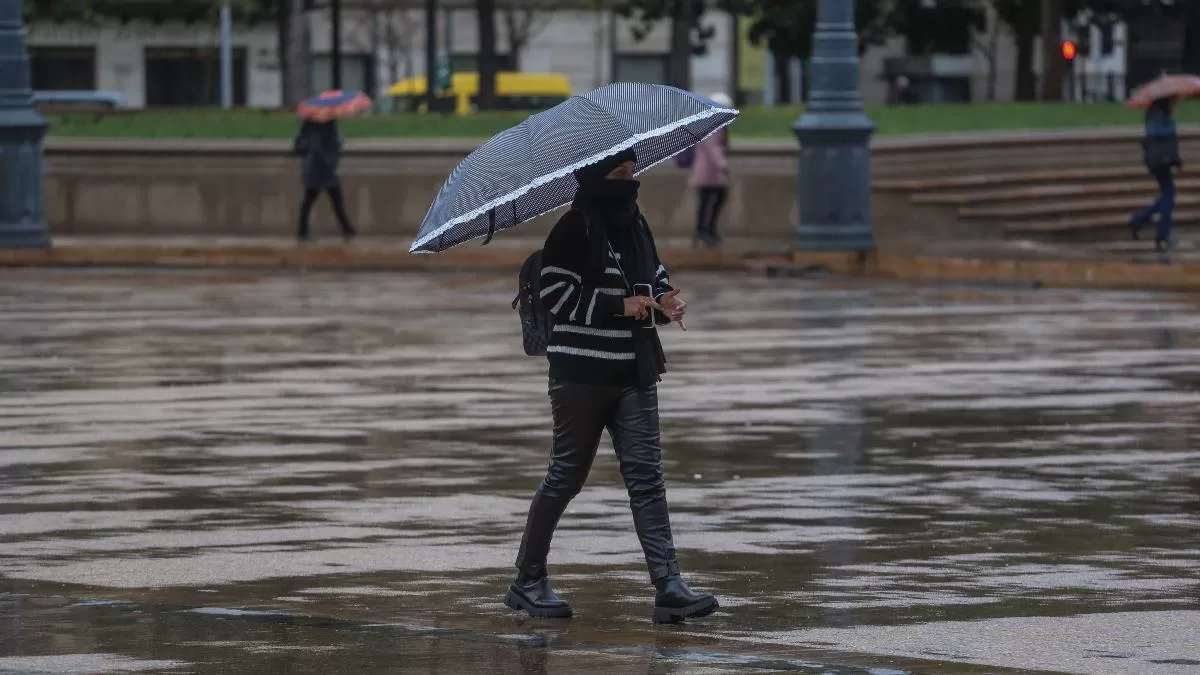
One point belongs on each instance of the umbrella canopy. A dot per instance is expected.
(1165, 86)
(527, 170)
(333, 104)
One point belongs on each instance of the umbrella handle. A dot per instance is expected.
(491, 227)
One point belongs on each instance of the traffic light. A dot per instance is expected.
(1069, 50)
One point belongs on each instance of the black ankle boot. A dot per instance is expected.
(674, 602)
(532, 593)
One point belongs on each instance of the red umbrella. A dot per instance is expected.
(333, 105)
(1166, 86)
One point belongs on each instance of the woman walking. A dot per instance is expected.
(602, 281)
(320, 147)
(710, 178)
(1160, 153)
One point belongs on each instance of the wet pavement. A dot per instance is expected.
(216, 473)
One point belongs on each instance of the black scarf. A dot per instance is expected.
(615, 221)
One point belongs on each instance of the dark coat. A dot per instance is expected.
(320, 147)
(1160, 146)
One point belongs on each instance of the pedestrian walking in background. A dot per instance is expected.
(1160, 154)
(602, 281)
(320, 147)
(903, 93)
(710, 178)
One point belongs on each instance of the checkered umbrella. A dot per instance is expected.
(527, 170)
(333, 104)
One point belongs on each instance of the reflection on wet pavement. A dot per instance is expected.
(329, 474)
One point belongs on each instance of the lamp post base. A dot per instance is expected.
(22, 221)
(835, 182)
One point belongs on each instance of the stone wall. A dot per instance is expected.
(230, 188)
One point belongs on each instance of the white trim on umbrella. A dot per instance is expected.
(572, 168)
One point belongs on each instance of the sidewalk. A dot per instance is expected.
(364, 254)
(1119, 265)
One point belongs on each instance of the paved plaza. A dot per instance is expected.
(219, 472)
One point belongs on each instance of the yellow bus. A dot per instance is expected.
(514, 91)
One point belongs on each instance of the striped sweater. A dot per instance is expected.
(591, 342)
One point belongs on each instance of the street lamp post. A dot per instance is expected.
(22, 221)
(835, 133)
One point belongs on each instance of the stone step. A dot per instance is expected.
(1009, 179)
(1068, 207)
(1144, 188)
(1093, 222)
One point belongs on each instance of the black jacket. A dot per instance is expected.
(591, 342)
(1160, 146)
(320, 147)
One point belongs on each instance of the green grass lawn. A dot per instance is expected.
(754, 123)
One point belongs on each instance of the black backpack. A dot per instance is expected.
(535, 320)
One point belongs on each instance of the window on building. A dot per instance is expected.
(650, 68)
(358, 72)
(191, 77)
(63, 68)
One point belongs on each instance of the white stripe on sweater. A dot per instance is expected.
(594, 332)
(563, 300)
(550, 289)
(591, 308)
(612, 291)
(551, 269)
(592, 353)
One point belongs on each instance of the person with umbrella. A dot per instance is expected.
(320, 147)
(600, 279)
(1160, 154)
(1160, 149)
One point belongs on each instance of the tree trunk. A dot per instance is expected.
(993, 50)
(1052, 59)
(1026, 83)
(679, 64)
(486, 13)
(1191, 40)
(393, 46)
(283, 20)
(299, 55)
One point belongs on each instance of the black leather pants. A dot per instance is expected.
(581, 414)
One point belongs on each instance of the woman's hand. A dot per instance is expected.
(674, 306)
(639, 306)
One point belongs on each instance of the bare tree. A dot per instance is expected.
(988, 44)
(485, 11)
(523, 21)
(1053, 65)
(390, 32)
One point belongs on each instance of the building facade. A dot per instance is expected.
(177, 64)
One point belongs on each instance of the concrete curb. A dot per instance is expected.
(320, 258)
(1110, 274)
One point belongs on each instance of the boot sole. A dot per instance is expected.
(681, 614)
(516, 602)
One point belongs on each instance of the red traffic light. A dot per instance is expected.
(1069, 50)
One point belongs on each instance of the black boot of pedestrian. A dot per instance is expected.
(1162, 245)
(530, 592)
(1135, 229)
(675, 602)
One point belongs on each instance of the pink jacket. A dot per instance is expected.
(709, 168)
